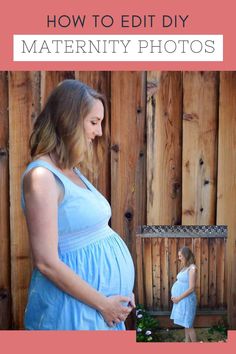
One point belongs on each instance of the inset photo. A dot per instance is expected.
(181, 283)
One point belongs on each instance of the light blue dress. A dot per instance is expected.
(91, 249)
(184, 312)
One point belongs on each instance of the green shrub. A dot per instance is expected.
(146, 326)
(220, 327)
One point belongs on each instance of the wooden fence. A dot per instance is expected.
(158, 266)
(171, 160)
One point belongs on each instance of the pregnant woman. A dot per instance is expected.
(183, 294)
(83, 273)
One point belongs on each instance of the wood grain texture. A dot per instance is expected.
(197, 242)
(139, 271)
(101, 81)
(226, 193)
(226, 291)
(220, 272)
(200, 104)
(212, 273)
(147, 265)
(164, 112)
(203, 319)
(23, 91)
(143, 182)
(204, 298)
(5, 283)
(165, 295)
(156, 273)
(128, 191)
(50, 79)
(181, 243)
(160, 267)
(173, 261)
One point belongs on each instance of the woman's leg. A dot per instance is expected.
(187, 336)
(192, 334)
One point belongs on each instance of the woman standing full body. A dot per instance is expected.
(183, 294)
(83, 273)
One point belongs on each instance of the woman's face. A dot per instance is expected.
(93, 121)
(181, 258)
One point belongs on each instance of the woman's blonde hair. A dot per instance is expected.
(59, 128)
(188, 255)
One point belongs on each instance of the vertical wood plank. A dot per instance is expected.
(50, 79)
(200, 101)
(204, 274)
(156, 265)
(164, 274)
(128, 195)
(181, 243)
(188, 242)
(220, 276)
(197, 253)
(139, 274)
(226, 203)
(147, 261)
(23, 91)
(100, 81)
(226, 291)
(173, 256)
(5, 287)
(212, 273)
(164, 112)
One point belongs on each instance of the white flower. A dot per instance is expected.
(140, 316)
(139, 311)
(148, 333)
(139, 329)
(149, 339)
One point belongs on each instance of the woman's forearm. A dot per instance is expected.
(186, 293)
(111, 308)
(68, 281)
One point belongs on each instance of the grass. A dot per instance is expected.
(203, 335)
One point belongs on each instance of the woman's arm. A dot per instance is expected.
(192, 284)
(42, 195)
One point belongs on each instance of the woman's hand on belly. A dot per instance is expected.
(175, 299)
(132, 301)
(113, 311)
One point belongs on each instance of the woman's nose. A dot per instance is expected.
(99, 130)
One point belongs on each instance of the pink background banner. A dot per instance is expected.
(101, 342)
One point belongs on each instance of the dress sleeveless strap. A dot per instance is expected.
(87, 183)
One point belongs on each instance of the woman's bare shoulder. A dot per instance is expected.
(193, 267)
(37, 179)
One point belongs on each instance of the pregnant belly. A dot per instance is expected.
(178, 288)
(117, 269)
(106, 265)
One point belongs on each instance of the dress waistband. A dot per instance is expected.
(78, 240)
(183, 281)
